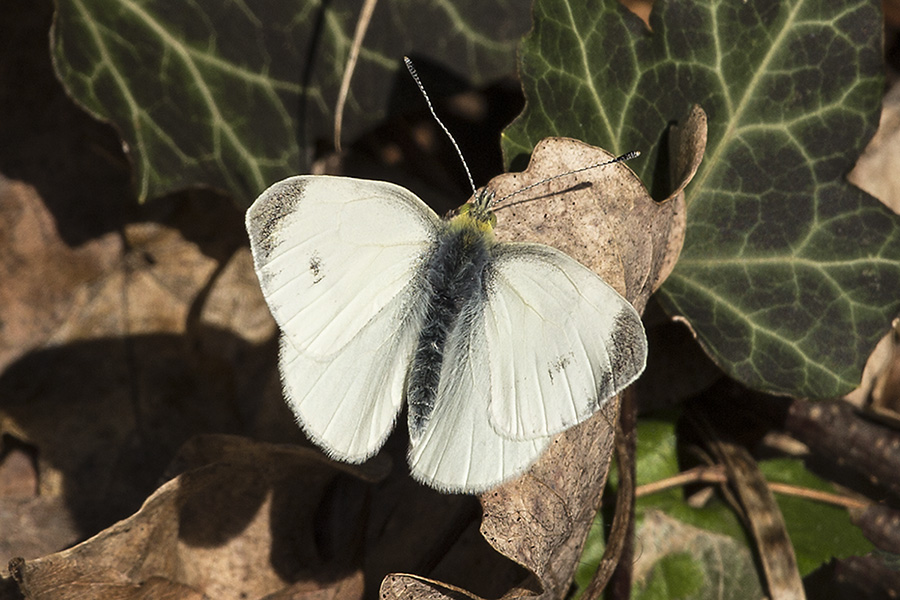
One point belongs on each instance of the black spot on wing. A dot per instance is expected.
(316, 269)
(559, 364)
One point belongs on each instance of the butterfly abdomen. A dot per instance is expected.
(453, 280)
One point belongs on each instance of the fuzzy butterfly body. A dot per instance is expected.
(495, 347)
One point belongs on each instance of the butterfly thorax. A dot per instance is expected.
(453, 285)
(477, 212)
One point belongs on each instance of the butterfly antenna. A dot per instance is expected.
(618, 159)
(415, 76)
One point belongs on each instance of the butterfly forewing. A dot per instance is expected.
(339, 263)
(578, 342)
(331, 252)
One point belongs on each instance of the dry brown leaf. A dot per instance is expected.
(402, 585)
(606, 220)
(34, 527)
(18, 475)
(31, 525)
(755, 502)
(162, 333)
(583, 215)
(244, 526)
(122, 349)
(687, 145)
(883, 398)
(44, 280)
(878, 393)
(878, 169)
(677, 367)
(405, 526)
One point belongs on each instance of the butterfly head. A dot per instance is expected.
(478, 211)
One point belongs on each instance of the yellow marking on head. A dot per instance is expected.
(467, 219)
(477, 214)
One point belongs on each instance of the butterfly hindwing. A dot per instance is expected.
(459, 450)
(338, 260)
(577, 341)
(348, 403)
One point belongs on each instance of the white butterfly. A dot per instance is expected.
(496, 347)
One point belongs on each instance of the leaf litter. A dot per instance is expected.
(174, 313)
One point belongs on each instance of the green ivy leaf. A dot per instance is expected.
(788, 274)
(657, 460)
(681, 551)
(685, 551)
(818, 531)
(233, 95)
(682, 561)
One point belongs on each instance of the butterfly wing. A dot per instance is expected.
(561, 341)
(331, 252)
(338, 261)
(347, 404)
(459, 450)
